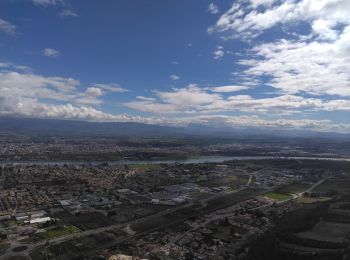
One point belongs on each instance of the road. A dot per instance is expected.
(315, 185)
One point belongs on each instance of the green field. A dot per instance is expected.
(307, 200)
(340, 185)
(233, 181)
(277, 196)
(293, 188)
(57, 231)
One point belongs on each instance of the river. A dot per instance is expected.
(201, 159)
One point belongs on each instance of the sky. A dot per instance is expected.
(244, 63)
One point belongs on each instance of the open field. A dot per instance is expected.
(328, 231)
(277, 196)
(307, 200)
(85, 221)
(293, 188)
(340, 185)
(59, 231)
(232, 181)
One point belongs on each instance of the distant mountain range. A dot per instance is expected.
(54, 127)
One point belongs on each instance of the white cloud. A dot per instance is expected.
(51, 53)
(257, 3)
(47, 2)
(7, 27)
(213, 8)
(224, 89)
(193, 99)
(68, 13)
(219, 53)
(145, 98)
(297, 66)
(24, 93)
(257, 122)
(94, 92)
(247, 21)
(174, 77)
(316, 62)
(30, 95)
(112, 87)
(9, 65)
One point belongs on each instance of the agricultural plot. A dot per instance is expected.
(307, 200)
(339, 185)
(277, 196)
(85, 221)
(293, 188)
(286, 192)
(232, 181)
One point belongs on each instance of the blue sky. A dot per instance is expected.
(259, 63)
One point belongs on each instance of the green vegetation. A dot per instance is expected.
(293, 188)
(58, 231)
(339, 185)
(307, 200)
(3, 247)
(277, 196)
(285, 192)
(61, 231)
(232, 181)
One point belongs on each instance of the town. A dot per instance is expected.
(153, 211)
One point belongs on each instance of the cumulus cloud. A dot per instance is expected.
(94, 92)
(193, 99)
(112, 87)
(249, 21)
(287, 124)
(68, 13)
(23, 93)
(295, 66)
(47, 2)
(224, 89)
(316, 62)
(30, 95)
(7, 27)
(174, 77)
(213, 8)
(219, 53)
(51, 53)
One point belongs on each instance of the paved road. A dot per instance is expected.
(315, 185)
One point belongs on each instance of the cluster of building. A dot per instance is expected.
(33, 197)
